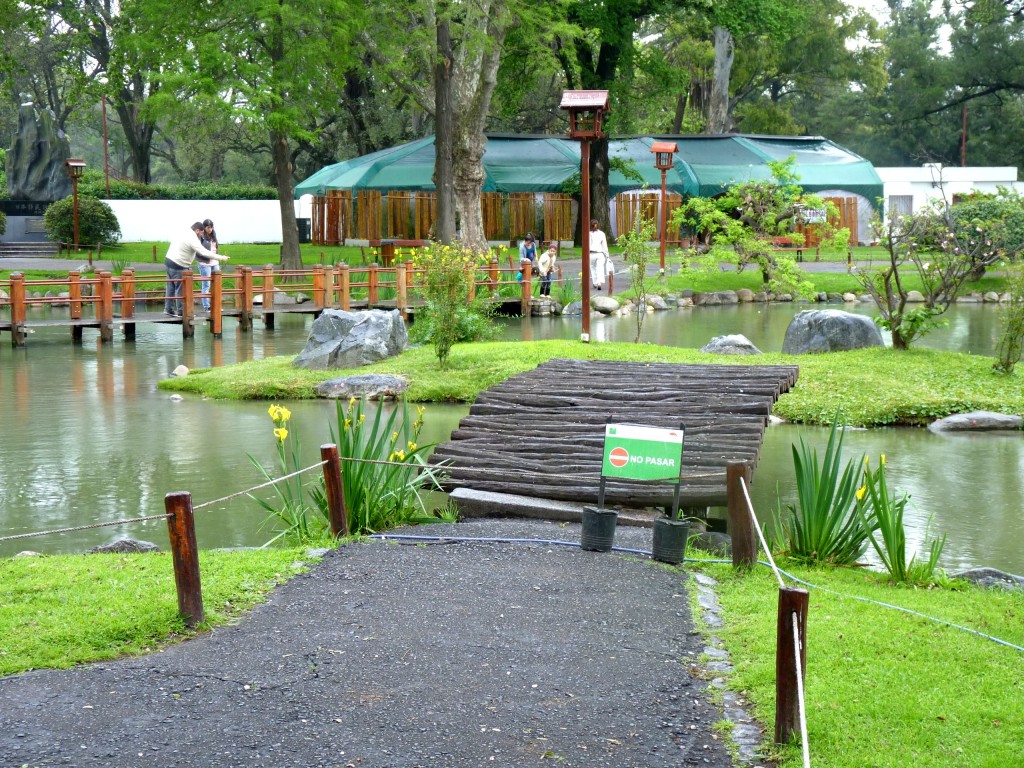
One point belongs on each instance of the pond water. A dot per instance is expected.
(85, 436)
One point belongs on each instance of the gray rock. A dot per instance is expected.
(686, 293)
(124, 546)
(849, 297)
(829, 330)
(35, 161)
(990, 297)
(181, 370)
(29, 553)
(971, 298)
(976, 421)
(340, 339)
(915, 297)
(761, 297)
(990, 577)
(373, 386)
(715, 297)
(745, 295)
(604, 304)
(657, 302)
(713, 542)
(575, 308)
(733, 344)
(784, 297)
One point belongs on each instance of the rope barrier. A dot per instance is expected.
(760, 533)
(83, 527)
(257, 487)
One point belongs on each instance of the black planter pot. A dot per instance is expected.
(670, 540)
(598, 529)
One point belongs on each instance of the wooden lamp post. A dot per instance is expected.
(663, 151)
(586, 109)
(75, 170)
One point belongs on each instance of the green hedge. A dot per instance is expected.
(94, 185)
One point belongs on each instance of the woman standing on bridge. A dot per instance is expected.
(208, 237)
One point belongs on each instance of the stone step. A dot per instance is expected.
(27, 250)
(473, 503)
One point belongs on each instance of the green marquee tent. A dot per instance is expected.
(704, 165)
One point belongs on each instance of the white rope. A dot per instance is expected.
(760, 534)
(800, 693)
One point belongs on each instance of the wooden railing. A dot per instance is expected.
(341, 287)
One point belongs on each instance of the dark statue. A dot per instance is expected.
(35, 162)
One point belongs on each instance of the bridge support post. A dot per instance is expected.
(268, 296)
(188, 305)
(217, 303)
(335, 488)
(244, 281)
(344, 287)
(741, 527)
(372, 279)
(19, 312)
(401, 292)
(105, 308)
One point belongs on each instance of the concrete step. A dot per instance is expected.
(27, 250)
(473, 503)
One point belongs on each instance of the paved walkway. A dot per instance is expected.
(453, 654)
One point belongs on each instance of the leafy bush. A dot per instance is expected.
(96, 221)
(830, 525)
(637, 252)
(1011, 340)
(1006, 208)
(3, 222)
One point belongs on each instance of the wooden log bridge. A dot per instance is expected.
(540, 434)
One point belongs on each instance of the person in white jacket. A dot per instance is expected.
(179, 257)
(599, 257)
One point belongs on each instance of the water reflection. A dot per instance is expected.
(85, 436)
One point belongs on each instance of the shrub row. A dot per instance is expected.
(94, 185)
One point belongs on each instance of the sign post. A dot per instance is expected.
(633, 452)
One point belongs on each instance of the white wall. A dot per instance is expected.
(934, 181)
(236, 221)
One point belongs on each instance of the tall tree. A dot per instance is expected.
(274, 64)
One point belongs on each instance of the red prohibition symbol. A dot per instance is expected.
(618, 457)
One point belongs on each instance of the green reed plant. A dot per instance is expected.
(566, 291)
(826, 526)
(291, 507)
(891, 543)
(382, 467)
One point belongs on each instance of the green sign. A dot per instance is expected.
(642, 453)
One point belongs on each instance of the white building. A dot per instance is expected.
(909, 189)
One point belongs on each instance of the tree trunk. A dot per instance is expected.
(444, 181)
(599, 202)
(469, 184)
(718, 111)
(291, 258)
(139, 135)
(898, 341)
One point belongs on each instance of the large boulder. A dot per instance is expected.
(124, 547)
(372, 386)
(340, 339)
(990, 577)
(829, 330)
(715, 297)
(604, 304)
(733, 344)
(976, 421)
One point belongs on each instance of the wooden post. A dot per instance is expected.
(127, 294)
(268, 296)
(410, 275)
(105, 309)
(19, 309)
(75, 294)
(371, 278)
(319, 287)
(492, 273)
(154, 254)
(401, 292)
(787, 712)
(471, 279)
(336, 512)
(182, 530)
(188, 305)
(245, 281)
(741, 527)
(527, 292)
(217, 303)
(345, 287)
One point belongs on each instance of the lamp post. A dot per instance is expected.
(75, 170)
(586, 109)
(663, 151)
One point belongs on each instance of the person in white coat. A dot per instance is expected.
(179, 258)
(599, 257)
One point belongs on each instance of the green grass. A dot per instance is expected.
(884, 688)
(59, 611)
(876, 386)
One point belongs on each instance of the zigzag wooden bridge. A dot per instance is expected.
(540, 434)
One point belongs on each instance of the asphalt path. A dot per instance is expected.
(402, 655)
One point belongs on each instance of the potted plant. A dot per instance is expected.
(598, 529)
(671, 533)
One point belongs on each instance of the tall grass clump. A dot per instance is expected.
(290, 507)
(827, 526)
(889, 538)
(1011, 340)
(382, 468)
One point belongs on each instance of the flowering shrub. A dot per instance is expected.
(446, 272)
